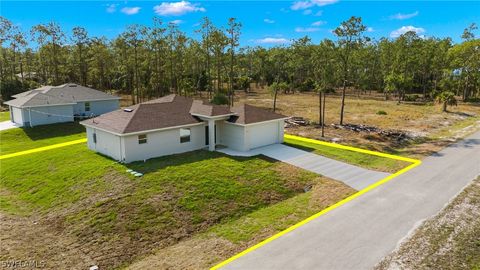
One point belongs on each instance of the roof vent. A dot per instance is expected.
(128, 110)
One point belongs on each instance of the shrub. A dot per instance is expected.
(413, 97)
(382, 113)
(220, 99)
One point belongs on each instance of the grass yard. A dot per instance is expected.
(449, 240)
(20, 139)
(354, 158)
(4, 116)
(93, 208)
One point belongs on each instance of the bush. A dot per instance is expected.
(307, 85)
(220, 99)
(413, 97)
(382, 113)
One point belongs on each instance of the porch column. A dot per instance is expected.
(211, 135)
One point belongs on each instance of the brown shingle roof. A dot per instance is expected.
(202, 108)
(174, 110)
(248, 114)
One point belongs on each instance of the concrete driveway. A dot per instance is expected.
(359, 234)
(354, 176)
(7, 125)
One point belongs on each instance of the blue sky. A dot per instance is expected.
(265, 23)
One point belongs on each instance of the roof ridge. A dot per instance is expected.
(134, 113)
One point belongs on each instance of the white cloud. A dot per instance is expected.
(268, 21)
(130, 10)
(318, 23)
(306, 29)
(319, 13)
(311, 3)
(405, 29)
(307, 12)
(176, 22)
(111, 8)
(177, 8)
(370, 29)
(400, 16)
(272, 40)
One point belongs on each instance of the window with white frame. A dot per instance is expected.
(142, 139)
(87, 106)
(185, 135)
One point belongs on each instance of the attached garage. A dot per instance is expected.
(16, 115)
(264, 133)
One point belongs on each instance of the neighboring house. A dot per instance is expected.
(56, 104)
(175, 124)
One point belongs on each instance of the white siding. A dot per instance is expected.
(161, 143)
(265, 133)
(17, 115)
(96, 107)
(231, 136)
(107, 143)
(48, 114)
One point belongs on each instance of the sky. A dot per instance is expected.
(264, 23)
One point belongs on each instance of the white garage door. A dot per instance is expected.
(17, 115)
(263, 134)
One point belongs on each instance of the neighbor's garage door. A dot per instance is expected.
(263, 134)
(17, 115)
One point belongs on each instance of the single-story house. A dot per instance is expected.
(56, 104)
(175, 124)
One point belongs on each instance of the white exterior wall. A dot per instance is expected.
(16, 115)
(107, 143)
(96, 107)
(162, 143)
(48, 114)
(231, 136)
(262, 134)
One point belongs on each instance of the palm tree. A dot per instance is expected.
(446, 98)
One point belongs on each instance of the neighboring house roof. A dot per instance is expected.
(58, 95)
(248, 114)
(173, 111)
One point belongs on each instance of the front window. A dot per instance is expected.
(87, 106)
(142, 139)
(184, 135)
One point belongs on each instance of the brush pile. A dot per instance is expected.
(397, 135)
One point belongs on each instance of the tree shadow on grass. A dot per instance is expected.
(53, 130)
(156, 164)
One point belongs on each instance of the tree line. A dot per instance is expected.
(151, 61)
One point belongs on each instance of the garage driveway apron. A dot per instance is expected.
(354, 176)
(7, 125)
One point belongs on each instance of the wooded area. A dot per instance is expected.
(151, 61)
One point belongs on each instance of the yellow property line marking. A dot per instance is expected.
(414, 164)
(44, 148)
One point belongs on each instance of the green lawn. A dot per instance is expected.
(179, 196)
(19, 139)
(355, 158)
(4, 116)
